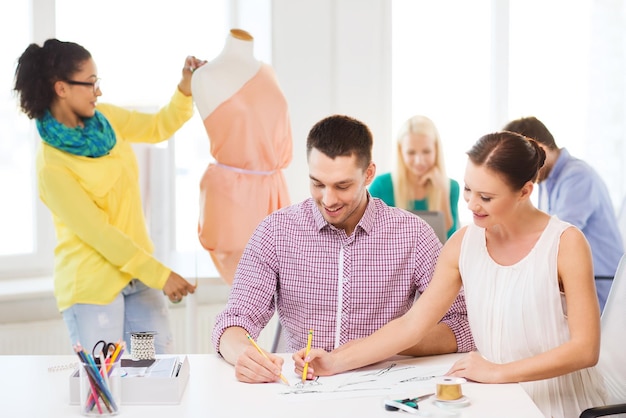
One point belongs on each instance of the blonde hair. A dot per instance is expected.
(401, 188)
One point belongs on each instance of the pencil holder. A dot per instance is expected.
(100, 388)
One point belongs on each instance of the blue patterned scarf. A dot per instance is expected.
(96, 139)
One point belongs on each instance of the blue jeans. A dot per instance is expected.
(137, 308)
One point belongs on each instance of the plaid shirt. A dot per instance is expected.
(295, 261)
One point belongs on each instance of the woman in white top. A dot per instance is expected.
(528, 282)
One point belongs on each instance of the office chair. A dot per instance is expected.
(621, 219)
(612, 362)
(277, 343)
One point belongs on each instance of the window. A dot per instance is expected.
(26, 238)
(441, 69)
(473, 66)
(140, 69)
(140, 63)
(570, 74)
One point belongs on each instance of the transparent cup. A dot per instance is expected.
(100, 388)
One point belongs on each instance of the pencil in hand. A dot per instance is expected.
(283, 378)
(308, 350)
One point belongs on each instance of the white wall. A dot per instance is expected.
(345, 69)
(333, 57)
(31, 323)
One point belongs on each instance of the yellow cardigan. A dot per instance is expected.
(96, 207)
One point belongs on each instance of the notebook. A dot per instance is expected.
(435, 219)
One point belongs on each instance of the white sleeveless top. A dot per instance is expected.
(518, 311)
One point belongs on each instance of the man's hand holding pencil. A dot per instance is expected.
(283, 378)
(252, 364)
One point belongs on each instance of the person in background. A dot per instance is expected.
(419, 181)
(340, 263)
(529, 289)
(107, 282)
(572, 190)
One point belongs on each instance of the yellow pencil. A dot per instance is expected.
(284, 379)
(308, 350)
(118, 348)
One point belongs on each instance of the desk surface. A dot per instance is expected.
(28, 388)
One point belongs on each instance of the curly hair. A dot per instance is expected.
(39, 67)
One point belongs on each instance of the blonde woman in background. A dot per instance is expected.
(419, 181)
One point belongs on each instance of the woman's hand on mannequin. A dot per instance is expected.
(191, 64)
(176, 287)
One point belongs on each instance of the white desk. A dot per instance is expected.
(28, 389)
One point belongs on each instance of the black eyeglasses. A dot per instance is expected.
(95, 85)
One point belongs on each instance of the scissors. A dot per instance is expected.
(408, 405)
(104, 348)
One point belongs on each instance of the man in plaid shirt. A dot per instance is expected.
(341, 263)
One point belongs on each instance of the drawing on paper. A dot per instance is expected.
(386, 377)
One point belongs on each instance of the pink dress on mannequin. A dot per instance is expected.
(250, 135)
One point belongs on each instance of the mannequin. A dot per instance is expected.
(246, 118)
(227, 73)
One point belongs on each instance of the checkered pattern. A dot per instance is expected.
(291, 264)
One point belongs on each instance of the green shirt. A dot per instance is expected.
(382, 188)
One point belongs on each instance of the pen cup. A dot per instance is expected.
(100, 388)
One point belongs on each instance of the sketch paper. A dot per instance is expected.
(381, 379)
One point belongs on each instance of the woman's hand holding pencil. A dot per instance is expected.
(316, 361)
(306, 354)
(255, 369)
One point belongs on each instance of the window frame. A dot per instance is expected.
(39, 262)
(157, 165)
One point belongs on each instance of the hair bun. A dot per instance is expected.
(539, 151)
